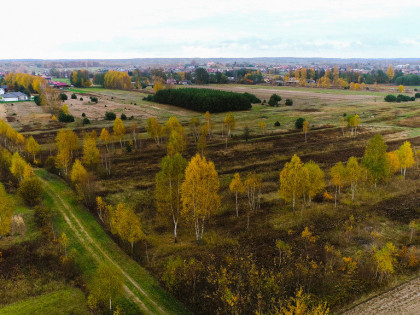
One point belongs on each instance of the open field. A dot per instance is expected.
(379, 215)
(65, 301)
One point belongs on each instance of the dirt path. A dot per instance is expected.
(404, 299)
(137, 294)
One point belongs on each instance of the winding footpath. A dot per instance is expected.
(149, 297)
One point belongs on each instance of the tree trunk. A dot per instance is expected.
(236, 194)
(147, 253)
(335, 197)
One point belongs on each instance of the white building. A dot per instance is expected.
(13, 97)
(2, 91)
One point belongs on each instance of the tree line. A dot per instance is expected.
(203, 100)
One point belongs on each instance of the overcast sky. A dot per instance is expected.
(217, 28)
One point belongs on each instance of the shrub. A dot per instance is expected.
(73, 96)
(31, 190)
(274, 100)
(390, 98)
(83, 115)
(417, 95)
(81, 98)
(148, 98)
(49, 165)
(37, 100)
(415, 89)
(123, 116)
(403, 98)
(63, 97)
(277, 124)
(252, 98)
(86, 121)
(110, 116)
(289, 102)
(247, 133)
(94, 99)
(299, 123)
(65, 118)
(203, 100)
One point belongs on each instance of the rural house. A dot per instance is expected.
(1, 91)
(13, 97)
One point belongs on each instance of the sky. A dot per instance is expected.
(92, 29)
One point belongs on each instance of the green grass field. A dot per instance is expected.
(65, 301)
(153, 299)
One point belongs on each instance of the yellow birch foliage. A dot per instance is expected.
(6, 211)
(199, 193)
(405, 156)
(393, 161)
(17, 167)
(293, 180)
(316, 182)
(91, 156)
(32, 147)
(119, 129)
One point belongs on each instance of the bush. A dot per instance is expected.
(299, 123)
(415, 89)
(417, 95)
(123, 116)
(252, 98)
(63, 97)
(277, 124)
(86, 121)
(128, 147)
(247, 133)
(94, 99)
(403, 98)
(110, 116)
(31, 190)
(49, 165)
(274, 100)
(83, 115)
(390, 98)
(65, 118)
(73, 96)
(81, 98)
(289, 102)
(203, 100)
(37, 100)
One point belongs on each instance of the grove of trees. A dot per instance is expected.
(203, 100)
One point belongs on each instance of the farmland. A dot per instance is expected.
(376, 217)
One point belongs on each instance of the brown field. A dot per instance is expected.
(387, 209)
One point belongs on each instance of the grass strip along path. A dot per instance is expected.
(93, 246)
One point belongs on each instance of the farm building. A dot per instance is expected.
(13, 97)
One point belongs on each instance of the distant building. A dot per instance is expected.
(2, 91)
(14, 97)
(185, 82)
(58, 84)
(171, 81)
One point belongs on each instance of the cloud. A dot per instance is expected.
(235, 28)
